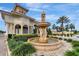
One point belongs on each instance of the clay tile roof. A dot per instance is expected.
(17, 5)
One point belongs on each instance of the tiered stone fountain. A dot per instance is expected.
(43, 43)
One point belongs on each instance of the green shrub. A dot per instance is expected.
(35, 31)
(60, 38)
(65, 39)
(23, 50)
(75, 43)
(10, 36)
(77, 49)
(67, 35)
(70, 53)
(12, 44)
(49, 32)
(69, 40)
(8, 39)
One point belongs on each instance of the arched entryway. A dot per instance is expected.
(25, 29)
(17, 29)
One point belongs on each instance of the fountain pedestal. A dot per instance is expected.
(43, 35)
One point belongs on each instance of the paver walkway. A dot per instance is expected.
(3, 46)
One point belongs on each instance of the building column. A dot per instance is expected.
(6, 28)
(21, 29)
(31, 30)
(28, 29)
(14, 29)
(11, 28)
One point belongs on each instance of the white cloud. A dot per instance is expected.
(5, 9)
(51, 16)
(75, 20)
(35, 9)
(45, 6)
(63, 7)
(33, 5)
(37, 6)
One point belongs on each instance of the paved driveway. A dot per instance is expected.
(3, 46)
(76, 37)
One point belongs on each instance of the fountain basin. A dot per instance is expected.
(50, 46)
(43, 24)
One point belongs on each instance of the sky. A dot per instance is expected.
(53, 11)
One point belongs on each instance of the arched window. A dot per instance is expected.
(17, 29)
(25, 29)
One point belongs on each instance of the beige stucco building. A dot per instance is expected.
(17, 21)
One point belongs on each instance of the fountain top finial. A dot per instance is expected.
(43, 23)
(43, 12)
(43, 16)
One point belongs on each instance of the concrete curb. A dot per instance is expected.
(8, 51)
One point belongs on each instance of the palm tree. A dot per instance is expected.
(49, 32)
(63, 20)
(57, 28)
(67, 27)
(54, 26)
(72, 26)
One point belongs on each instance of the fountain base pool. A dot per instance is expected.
(51, 45)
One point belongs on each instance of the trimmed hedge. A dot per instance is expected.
(23, 50)
(69, 40)
(27, 35)
(60, 38)
(24, 37)
(65, 39)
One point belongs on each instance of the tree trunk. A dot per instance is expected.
(62, 28)
(71, 31)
